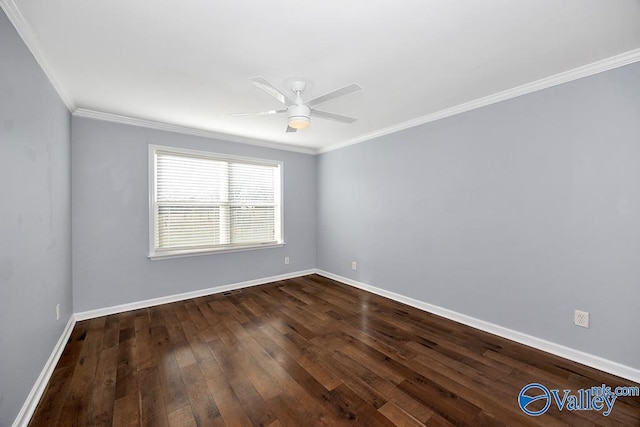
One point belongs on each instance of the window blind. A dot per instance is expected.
(209, 202)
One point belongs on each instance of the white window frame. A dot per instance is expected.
(155, 253)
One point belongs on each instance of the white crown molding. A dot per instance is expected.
(150, 124)
(99, 312)
(28, 36)
(30, 404)
(587, 359)
(547, 82)
(607, 64)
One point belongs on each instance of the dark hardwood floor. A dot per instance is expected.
(305, 351)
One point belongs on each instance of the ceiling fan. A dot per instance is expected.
(298, 112)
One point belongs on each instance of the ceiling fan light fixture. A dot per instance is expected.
(298, 122)
(298, 116)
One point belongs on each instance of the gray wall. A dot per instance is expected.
(35, 220)
(517, 213)
(111, 219)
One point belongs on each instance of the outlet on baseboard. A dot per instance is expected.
(581, 318)
(286, 260)
(57, 311)
(354, 265)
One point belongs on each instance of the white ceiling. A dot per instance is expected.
(188, 63)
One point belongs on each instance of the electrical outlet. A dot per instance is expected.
(354, 266)
(57, 311)
(581, 318)
(286, 260)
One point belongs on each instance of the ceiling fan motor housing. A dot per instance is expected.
(299, 112)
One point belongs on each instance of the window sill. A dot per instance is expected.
(183, 254)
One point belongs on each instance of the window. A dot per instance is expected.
(205, 202)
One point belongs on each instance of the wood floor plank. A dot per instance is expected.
(152, 408)
(304, 351)
(196, 316)
(204, 409)
(76, 404)
(50, 406)
(231, 409)
(319, 372)
(398, 416)
(100, 411)
(126, 380)
(352, 408)
(126, 411)
(386, 388)
(450, 406)
(174, 391)
(358, 378)
(182, 417)
(282, 384)
(254, 405)
(199, 348)
(144, 357)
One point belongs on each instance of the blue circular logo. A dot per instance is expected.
(532, 393)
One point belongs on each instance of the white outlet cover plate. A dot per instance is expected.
(581, 318)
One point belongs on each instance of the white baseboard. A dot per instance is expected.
(29, 406)
(99, 312)
(591, 360)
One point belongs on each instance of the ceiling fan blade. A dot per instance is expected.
(259, 113)
(271, 90)
(332, 116)
(290, 129)
(335, 94)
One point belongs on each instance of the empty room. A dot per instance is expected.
(279, 213)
